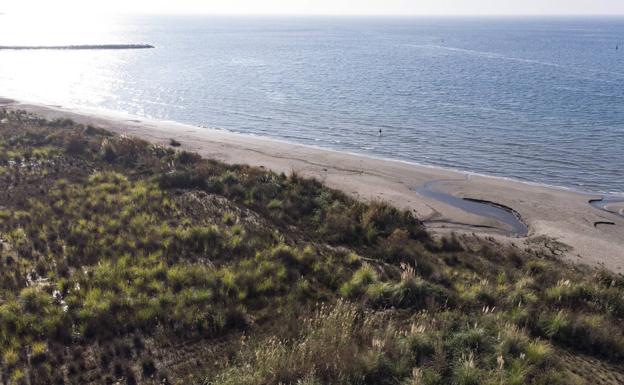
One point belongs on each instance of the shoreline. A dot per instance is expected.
(549, 212)
(107, 113)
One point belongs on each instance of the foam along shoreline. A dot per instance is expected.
(77, 47)
(548, 213)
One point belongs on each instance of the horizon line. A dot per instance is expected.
(453, 15)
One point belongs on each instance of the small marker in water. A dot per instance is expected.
(380, 132)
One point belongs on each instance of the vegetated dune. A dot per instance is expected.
(546, 212)
(128, 261)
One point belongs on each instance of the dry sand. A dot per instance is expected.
(552, 215)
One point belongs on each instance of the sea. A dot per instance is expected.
(537, 99)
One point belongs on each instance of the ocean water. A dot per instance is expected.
(539, 99)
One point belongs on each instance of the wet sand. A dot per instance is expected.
(613, 205)
(552, 216)
(487, 209)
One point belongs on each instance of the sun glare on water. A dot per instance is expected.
(57, 76)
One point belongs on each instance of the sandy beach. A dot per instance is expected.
(551, 216)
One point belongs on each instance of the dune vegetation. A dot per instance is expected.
(133, 263)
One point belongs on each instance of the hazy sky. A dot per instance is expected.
(396, 7)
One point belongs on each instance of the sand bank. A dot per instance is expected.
(594, 236)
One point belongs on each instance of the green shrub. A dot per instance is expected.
(513, 341)
(187, 158)
(76, 144)
(39, 351)
(274, 204)
(339, 225)
(466, 372)
(18, 377)
(538, 353)
(182, 180)
(35, 301)
(362, 278)
(420, 344)
(382, 219)
(473, 339)
(414, 293)
(517, 372)
(10, 357)
(556, 325)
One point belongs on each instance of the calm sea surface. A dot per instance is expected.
(540, 100)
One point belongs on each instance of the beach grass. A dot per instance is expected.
(124, 260)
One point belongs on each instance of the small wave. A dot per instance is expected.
(493, 55)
